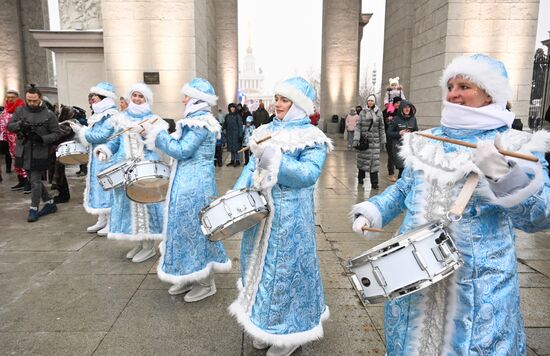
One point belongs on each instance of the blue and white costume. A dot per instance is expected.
(130, 220)
(187, 254)
(475, 311)
(96, 199)
(281, 300)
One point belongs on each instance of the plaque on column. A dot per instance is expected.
(151, 78)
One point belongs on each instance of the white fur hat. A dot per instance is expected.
(104, 89)
(371, 97)
(143, 89)
(394, 80)
(299, 91)
(486, 72)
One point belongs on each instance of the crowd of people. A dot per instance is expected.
(281, 302)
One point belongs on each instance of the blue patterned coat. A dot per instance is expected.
(130, 220)
(475, 311)
(96, 200)
(187, 254)
(281, 299)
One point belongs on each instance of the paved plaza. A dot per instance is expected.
(66, 292)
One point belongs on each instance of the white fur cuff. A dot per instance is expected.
(81, 136)
(104, 149)
(152, 134)
(369, 211)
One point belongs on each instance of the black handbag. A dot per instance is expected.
(364, 140)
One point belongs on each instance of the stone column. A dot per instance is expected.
(12, 65)
(339, 58)
(227, 52)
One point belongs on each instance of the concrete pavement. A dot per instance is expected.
(66, 292)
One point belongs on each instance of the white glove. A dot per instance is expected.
(359, 223)
(74, 126)
(270, 157)
(489, 160)
(257, 149)
(102, 156)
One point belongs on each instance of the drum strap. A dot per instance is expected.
(455, 213)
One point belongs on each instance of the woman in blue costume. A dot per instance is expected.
(476, 310)
(189, 260)
(130, 220)
(281, 301)
(96, 200)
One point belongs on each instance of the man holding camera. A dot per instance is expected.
(36, 127)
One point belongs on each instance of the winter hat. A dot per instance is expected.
(104, 89)
(249, 119)
(143, 89)
(486, 72)
(372, 97)
(394, 80)
(201, 89)
(13, 91)
(299, 91)
(396, 99)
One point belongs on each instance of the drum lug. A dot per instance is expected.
(206, 222)
(226, 208)
(419, 260)
(379, 276)
(441, 252)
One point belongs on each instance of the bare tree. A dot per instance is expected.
(314, 78)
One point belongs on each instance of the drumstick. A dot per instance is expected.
(246, 148)
(129, 128)
(473, 145)
(371, 229)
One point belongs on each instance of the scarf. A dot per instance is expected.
(195, 105)
(139, 109)
(103, 105)
(10, 107)
(487, 117)
(294, 113)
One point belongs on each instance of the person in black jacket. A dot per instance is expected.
(403, 123)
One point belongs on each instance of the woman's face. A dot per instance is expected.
(370, 103)
(186, 99)
(406, 110)
(282, 105)
(138, 98)
(462, 91)
(94, 99)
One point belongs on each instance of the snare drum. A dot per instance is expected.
(405, 264)
(232, 213)
(72, 152)
(113, 177)
(147, 181)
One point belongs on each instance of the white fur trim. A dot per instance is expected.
(481, 73)
(207, 121)
(151, 136)
(96, 117)
(281, 340)
(105, 149)
(90, 210)
(133, 237)
(293, 139)
(369, 211)
(197, 94)
(266, 178)
(143, 89)
(122, 121)
(394, 80)
(211, 267)
(294, 94)
(81, 136)
(103, 92)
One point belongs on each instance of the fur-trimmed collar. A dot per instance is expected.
(124, 120)
(292, 137)
(96, 117)
(448, 167)
(208, 121)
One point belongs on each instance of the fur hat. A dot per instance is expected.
(104, 89)
(299, 91)
(394, 80)
(143, 89)
(201, 89)
(486, 72)
(13, 91)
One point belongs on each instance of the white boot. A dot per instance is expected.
(133, 251)
(100, 224)
(180, 288)
(281, 350)
(259, 345)
(105, 230)
(201, 289)
(147, 251)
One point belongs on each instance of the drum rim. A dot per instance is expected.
(231, 194)
(239, 218)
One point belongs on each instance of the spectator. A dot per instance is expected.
(57, 170)
(36, 128)
(261, 116)
(314, 117)
(388, 119)
(371, 126)
(351, 122)
(404, 123)
(122, 104)
(247, 132)
(8, 139)
(220, 117)
(233, 126)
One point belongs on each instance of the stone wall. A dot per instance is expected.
(11, 52)
(227, 62)
(80, 14)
